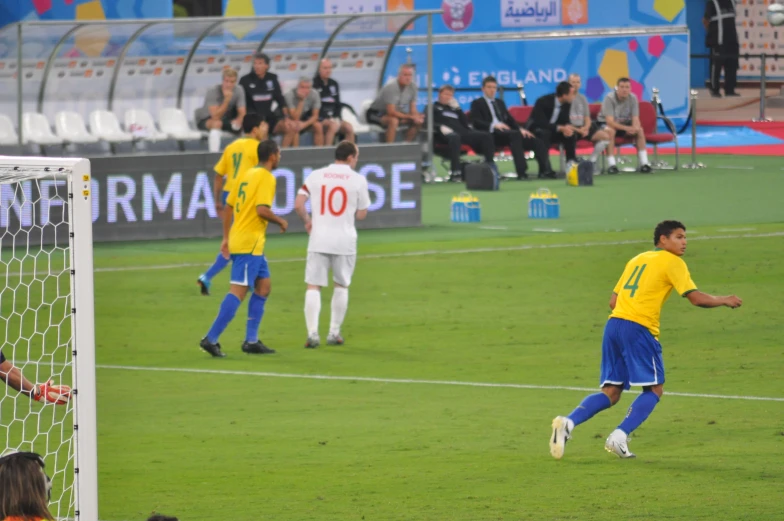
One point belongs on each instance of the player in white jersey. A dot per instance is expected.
(338, 195)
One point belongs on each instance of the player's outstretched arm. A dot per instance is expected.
(703, 300)
(46, 392)
(14, 379)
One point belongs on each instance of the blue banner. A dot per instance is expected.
(656, 61)
(494, 15)
(33, 10)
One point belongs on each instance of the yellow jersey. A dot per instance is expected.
(254, 188)
(241, 155)
(647, 281)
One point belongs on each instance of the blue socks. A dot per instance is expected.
(217, 267)
(255, 313)
(228, 309)
(590, 406)
(639, 411)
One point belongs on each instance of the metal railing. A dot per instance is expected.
(764, 57)
(211, 25)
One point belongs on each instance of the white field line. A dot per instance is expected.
(414, 381)
(425, 253)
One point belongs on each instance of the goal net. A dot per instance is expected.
(47, 322)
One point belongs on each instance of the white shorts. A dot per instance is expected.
(318, 265)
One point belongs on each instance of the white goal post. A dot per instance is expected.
(47, 327)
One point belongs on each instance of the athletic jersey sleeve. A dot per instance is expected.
(364, 195)
(619, 285)
(265, 192)
(2, 358)
(306, 187)
(231, 200)
(680, 278)
(223, 166)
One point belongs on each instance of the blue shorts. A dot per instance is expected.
(225, 196)
(630, 355)
(246, 268)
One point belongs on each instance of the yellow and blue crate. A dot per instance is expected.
(543, 204)
(465, 208)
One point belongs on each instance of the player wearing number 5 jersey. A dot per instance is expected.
(631, 353)
(338, 195)
(239, 157)
(248, 212)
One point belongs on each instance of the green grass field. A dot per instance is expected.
(463, 342)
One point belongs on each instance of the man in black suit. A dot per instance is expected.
(451, 128)
(549, 120)
(490, 115)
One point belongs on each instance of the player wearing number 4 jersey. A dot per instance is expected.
(631, 353)
(337, 196)
(240, 156)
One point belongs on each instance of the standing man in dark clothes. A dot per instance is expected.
(262, 88)
(721, 37)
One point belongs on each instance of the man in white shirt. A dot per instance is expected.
(337, 196)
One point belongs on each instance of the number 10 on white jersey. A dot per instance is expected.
(336, 193)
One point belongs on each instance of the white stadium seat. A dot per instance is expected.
(363, 110)
(105, 125)
(71, 129)
(174, 123)
(139, 123)
(347, 115)
(36, 129)
(8, 135)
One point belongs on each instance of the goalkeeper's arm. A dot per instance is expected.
(45, 392)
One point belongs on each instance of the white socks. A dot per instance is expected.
(339, 307)
(643, 155)
(611, 160)
(312, 310)
(598, 148)
(214, 140)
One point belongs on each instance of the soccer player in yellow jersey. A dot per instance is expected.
(248, 212)
(631, 353)
(238, 157)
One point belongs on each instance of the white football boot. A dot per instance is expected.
(562, 432)
(617, 443)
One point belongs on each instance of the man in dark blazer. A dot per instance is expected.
(490, 115)
(549, 120)
(451, 128)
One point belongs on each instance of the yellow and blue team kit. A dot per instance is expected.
(239, 157)
(254, 188)
(631, 352)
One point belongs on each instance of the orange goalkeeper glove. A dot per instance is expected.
(56, 394)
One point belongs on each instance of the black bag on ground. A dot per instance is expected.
(480, 176)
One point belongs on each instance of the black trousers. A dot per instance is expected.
(480, 142)
(730, 66)
(549, 137)
(518, 145)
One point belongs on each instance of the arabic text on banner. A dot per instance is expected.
(530, 13)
